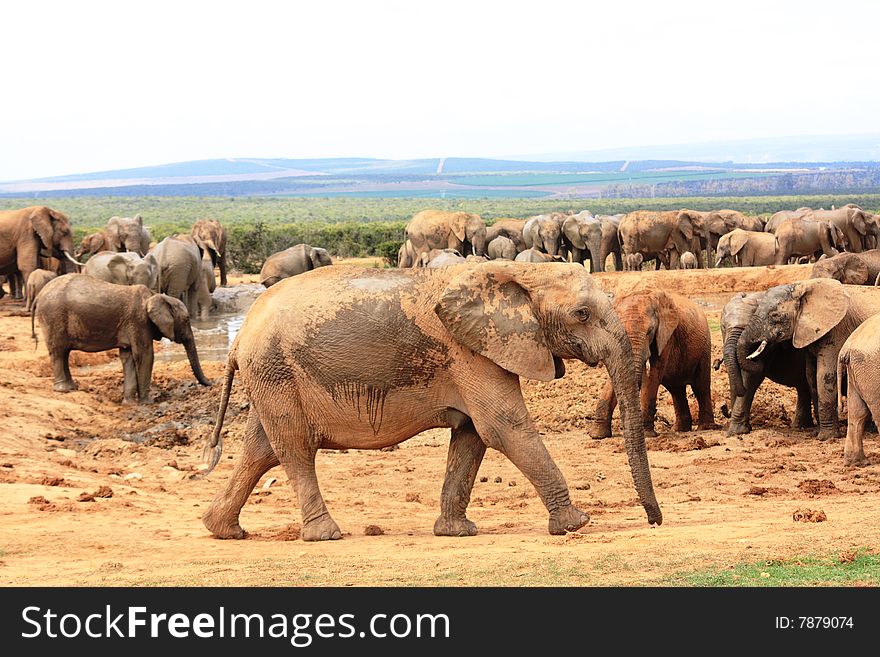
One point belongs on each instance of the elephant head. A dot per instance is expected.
(864, 222)
(633, 262)
(127, 234)
(549, 234)
(92, 244)
(406, 255)
(526, 319)
(848, 268)
(799, 312)
(469, 229)
(319, 257)
(730, 244)
(583, 231)
(170, 319)
(135, 271)
(650, 318)
(56, 239)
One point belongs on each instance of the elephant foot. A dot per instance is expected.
(855, 460)
(323, 528)
(707, 426)
(829, 434)
(64, 386)
(454, 526)
(739, 429)
(567, 519)
(600, 430)
(221, 527)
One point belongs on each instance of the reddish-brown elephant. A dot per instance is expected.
(31, 234)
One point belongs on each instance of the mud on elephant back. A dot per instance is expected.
(352, 358)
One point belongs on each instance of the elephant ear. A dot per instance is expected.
(738, 239)
(458, 226)
(41, 222)
(668, 318)
(489, 311)
(855, 272)
(112, 231)
(118, 266)
(686, 225)
(823, 304)
(139, 219)
(159, 312)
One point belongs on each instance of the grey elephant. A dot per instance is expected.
(817, 315)
(746, 248)
(512, 229)
(802, 237)
(582, 233)
(850, 268)
(782, 364)
(777, 218)
(535, 256)
(180, 273)
(292, 262)
(128, 234)
(211, 236)
(502, 248)
(207, 272)
(454, 343)
(544, 233)
(126, 268)
(857, 367)
(36, 282)
(78, 312)
(436, 229)
(633, 262)
(688, 260)
(858, 226)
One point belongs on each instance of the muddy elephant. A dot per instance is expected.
(126, 268)
(718, 223)
(212, 236)
(782, 364)
(292, 262)
(454, 343)
(512, 229)
(688, 260)
(582, 235)
(652, 233)
(128, 234)
(32, 233)
(535, 256)
(78, 312)
(502, 248)
(544, 233)
(406, 255)
(180, 273)
(207, 272)
(671, 333)
(746, 248)
(777, 218)
(858, 365)
(93, 243)
(436, 229)
(802, 237)
(36, 282)
(857, 225)
(850, 268)
(818, 315)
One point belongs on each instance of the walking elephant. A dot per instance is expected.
(544, 233)
(180, 273)
(802, 237)
(850, 268)
(212, 236)
(435, 229)
(747, 248)
(652, 233)
(782, 364)
(858, 365)
(453, 344)
(293, 261)
(36, 282)
(818, 315)
(502, 248)
(32, 233)
(671, 333)
(536, 256)
(512, 229)
(78, 312)
(126, 268)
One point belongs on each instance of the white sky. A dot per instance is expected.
(91, 86)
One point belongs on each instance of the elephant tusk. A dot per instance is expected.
(70, 257)
(877, 280)
(758, 351)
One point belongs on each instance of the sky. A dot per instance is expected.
(92, 86)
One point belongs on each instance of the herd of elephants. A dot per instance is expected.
(345, 357)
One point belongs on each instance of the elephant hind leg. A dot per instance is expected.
(702, 387)
(857, 414)
(256, 459)
(466, 451)
(683, 419)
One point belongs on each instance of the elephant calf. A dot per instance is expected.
(858, 376)
(688, 260)
(36, 282)
(126, 268)
(78, 312)
(671, 333)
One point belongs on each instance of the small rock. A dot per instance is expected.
(497, 480)
(38, 499)
(484, 479)
(172, 464)
(373, 530)
(52, 481)
(390, 448)
(133, 476)
(511, 483)
(85, 497)
(413, 497)
(582, 486)
(104, 492)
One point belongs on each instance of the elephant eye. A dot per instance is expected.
(582, 314)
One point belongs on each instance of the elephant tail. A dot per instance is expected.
(33, 314)
(214, 448)
(842, 382)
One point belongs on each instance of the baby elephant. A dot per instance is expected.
(688, 260)
(633, 262)
(36, 282)
(79, 312)
(534, 255)
(857, 366)
(671, 333)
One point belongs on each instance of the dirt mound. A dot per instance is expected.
(808, 515)
(817, 487)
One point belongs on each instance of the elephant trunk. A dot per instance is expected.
(734, 373)
(551, 246)
(193, 356)
(619, 363)
(745, 347)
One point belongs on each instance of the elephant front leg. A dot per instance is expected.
(130, 376)
(826, 385)
(143, 360)
(650, 387)
(62, 379)
(683, 419)
(466, 451)
(222, 263)
(604, 411)
(257, 458)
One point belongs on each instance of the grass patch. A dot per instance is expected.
(851, 567)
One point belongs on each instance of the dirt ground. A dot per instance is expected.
(97, 493)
